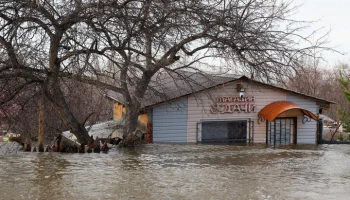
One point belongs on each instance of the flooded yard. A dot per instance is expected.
(163, 171)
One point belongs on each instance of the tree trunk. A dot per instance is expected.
(131, 120)
(78, 129)
(41, 126)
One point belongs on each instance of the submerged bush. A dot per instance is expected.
(341, 137)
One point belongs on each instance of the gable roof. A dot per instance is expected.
(168, 85)
(323, 102)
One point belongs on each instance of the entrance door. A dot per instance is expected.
(281, 131)
(224, 131)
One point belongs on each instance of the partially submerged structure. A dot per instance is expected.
(189, 108)
(110, 132)
(103, 131)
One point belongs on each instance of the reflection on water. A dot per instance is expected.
(161, 171)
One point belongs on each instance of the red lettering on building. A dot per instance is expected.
(231, 108)
(233, 104)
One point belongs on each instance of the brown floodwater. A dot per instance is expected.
(164, 171)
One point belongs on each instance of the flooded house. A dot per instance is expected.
(210, 109)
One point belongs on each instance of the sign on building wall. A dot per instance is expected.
(233, 104)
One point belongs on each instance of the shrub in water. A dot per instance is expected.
(341, 137)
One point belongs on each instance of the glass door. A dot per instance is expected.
(281, 131)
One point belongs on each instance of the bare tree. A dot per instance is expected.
(323, 83)
(309, 79)
(149, 36)
(336, 91)
(34, 36)
(21, 114)
(48, 41)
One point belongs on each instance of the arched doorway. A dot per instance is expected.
(282, 130)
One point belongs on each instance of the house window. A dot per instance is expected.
(224, 131)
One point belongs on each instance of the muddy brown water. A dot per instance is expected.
(163, 171)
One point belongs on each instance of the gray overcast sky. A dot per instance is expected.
(332, 15)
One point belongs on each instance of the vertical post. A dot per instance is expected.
(274, 129)
(268, 132)
(319, 131)
(41, 126)
(149, 133)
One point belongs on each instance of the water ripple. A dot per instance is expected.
(163, 171)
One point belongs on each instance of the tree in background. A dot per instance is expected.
(86, 102)
(35, 39)
(152, 36)
(323, 83)
(344, 114)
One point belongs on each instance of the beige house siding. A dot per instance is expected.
(306, 133)
(199, 105)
